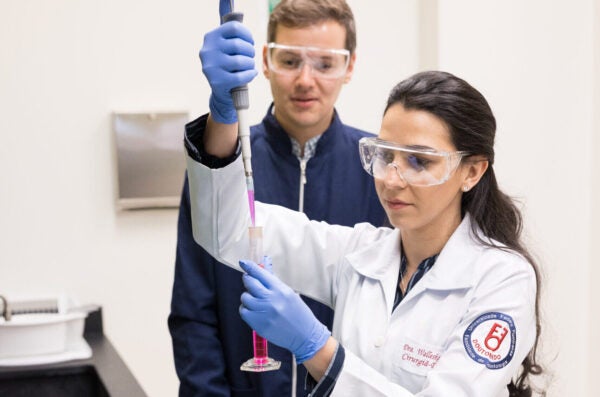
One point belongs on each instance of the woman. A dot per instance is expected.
(444, 304)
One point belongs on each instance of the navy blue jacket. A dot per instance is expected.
(210, 340)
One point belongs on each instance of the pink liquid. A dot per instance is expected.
(251, 204)
(261, 352)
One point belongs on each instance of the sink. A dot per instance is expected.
(77, 381)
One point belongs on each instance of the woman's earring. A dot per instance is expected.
(465, 188)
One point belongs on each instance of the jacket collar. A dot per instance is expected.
(279, 138)
(453, 268)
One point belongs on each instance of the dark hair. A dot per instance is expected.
(303, 13)
(472, 127)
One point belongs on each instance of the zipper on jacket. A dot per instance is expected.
(301, 209)
(294, 375)
(303, 162)
(302, 183)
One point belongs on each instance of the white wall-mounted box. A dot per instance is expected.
(150, 158)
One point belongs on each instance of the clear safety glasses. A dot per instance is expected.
(417, 167)
(324, 63)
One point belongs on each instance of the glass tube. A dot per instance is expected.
(261, 361)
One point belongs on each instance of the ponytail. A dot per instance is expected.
(496, 215)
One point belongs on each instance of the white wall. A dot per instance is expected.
(64, 67)
(387, 52)
(534, 62)
(594, 366)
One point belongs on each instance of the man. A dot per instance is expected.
(303, 158)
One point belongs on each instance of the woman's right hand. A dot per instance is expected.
(227, 57)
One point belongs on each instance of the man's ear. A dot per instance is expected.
(350, 69)
(265, 65)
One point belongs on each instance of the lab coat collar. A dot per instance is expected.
(453, 268)
(380, 261)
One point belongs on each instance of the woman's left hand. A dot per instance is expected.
(278, 313)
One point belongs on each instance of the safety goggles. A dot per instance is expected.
(324, 63)
(417, 167)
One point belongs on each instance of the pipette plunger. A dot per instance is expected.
(241, 102)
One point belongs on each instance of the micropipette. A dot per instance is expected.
(242, 103)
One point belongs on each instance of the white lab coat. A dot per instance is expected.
(473, 297)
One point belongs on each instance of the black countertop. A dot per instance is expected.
(78, 377)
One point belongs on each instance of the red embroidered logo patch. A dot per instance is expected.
(491, 340)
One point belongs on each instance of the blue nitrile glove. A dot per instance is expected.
(278, 313)
(227, 57)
